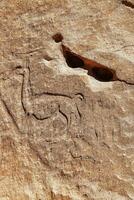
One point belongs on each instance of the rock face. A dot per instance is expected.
(66, 100)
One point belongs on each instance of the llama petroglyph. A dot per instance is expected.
(45, 105)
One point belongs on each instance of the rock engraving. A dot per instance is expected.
(47, 104)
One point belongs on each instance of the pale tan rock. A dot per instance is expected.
(64, 134)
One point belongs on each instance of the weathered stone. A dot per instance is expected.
(66, 100)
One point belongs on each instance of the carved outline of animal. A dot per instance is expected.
(51, 103)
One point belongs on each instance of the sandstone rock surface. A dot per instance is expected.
(67, 100)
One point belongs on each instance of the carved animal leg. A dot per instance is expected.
(78, 99)
(65, 114)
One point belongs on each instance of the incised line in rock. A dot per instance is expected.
(10, 114)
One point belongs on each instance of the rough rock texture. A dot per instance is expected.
(66, 133)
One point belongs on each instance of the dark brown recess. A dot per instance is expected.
(98, 71)
(73, 60)
(57, 37)
(102, 74)
(128, 4)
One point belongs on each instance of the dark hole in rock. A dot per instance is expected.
(128, 3)
(57, 37)
(18, 67)
(102, 74)
(96, 70)
(73, 60)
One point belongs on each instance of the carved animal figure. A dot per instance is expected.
(47, 104)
